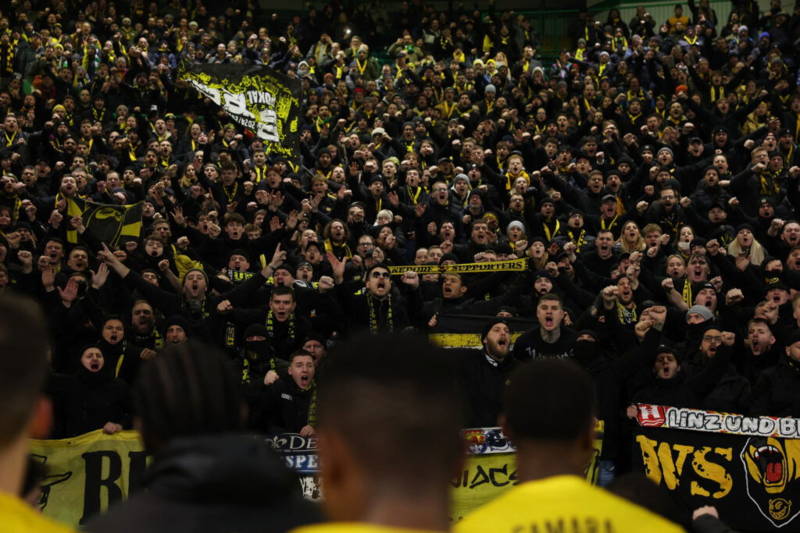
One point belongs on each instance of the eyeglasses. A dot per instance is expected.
(712, 338)
(378, 275)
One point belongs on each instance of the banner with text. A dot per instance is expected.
(464, 331)
(489, 470)
(85, 474)
(508, 265)
(264, 100)
(747, 467)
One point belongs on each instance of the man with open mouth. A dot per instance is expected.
(548, 338)
(287, 403)
(484, 374)
(91, 398)
(379, 306)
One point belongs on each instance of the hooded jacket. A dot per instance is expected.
(213, 483)
(86, 400)
(483, 381)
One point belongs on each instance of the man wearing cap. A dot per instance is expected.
(381, 146)
(609, 217)
(176, 330)
(487, 104)
(545, 223)
(484, 373)
(788, 148)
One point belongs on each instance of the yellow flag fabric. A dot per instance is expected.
(108, 223)
(87, 473)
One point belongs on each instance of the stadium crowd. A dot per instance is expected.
(649, 175)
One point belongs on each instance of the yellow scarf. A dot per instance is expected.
(550, 234)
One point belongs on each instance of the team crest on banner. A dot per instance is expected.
(773, 471)
(256, 97)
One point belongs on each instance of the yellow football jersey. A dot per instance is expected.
(562, 503)
(18, 517)
(355, 527)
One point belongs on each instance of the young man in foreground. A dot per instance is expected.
(389, 437)
(549, 415)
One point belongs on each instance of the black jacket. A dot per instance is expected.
(285, 406)
(483, 381)
(775, 393)
(209, 484)
(85, 401)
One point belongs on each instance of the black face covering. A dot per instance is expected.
(695, 331)
(584, 351)
(256, 349)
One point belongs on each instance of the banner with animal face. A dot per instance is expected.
(747, 467)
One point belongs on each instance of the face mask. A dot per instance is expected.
(254, 349)
(584, 351)
(695, 331)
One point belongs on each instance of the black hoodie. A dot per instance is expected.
(86, 400)
(213, 483)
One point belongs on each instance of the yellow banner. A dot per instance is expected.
(87, 473)
(510, 265)
(462, 340)
(483, 478)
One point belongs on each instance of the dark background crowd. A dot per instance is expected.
(648, 173)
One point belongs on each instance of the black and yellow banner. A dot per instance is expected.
(464, 331)
(86, 474)
(746, 467)
(256, 97)
(108, 223)
(509, 265)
